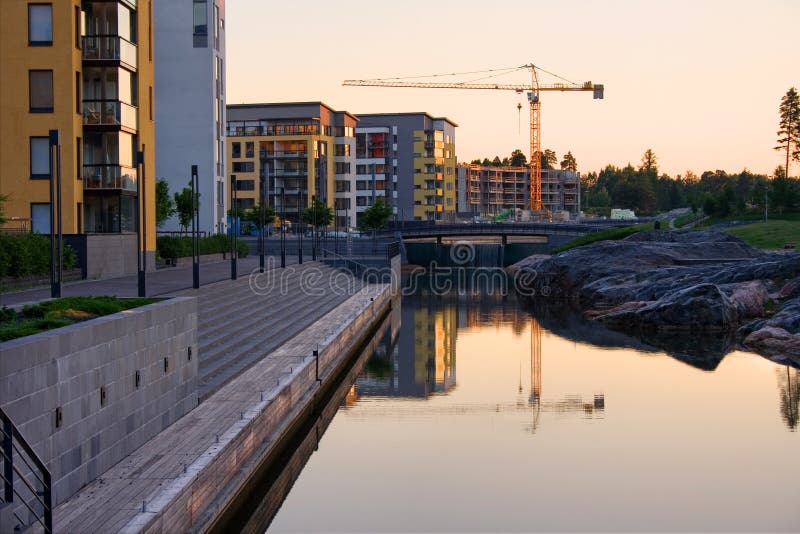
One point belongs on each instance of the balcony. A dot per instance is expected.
(283, 155)
(109, 48)
(114, 177)
(111, 113)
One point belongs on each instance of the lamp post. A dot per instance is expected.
(314, 227)
(234, 227)
(283, 227)
(299, 228)
(195, 231)
(262, 196)
(141, 241)
(56, 235)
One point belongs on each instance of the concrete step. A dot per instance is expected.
(230, 359)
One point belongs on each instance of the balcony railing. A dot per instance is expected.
(109, 177)
(109, 113)
(109, 48)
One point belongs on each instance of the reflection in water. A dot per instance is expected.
(789, 387)
(518, 438)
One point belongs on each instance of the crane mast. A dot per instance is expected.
(533, 89)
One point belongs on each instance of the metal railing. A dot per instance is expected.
(109, 47)
(39, 502)
(109, 177)
(109, 113)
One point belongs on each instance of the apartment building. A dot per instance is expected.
(292, 149)
(84, 68)
(408, 159)
(190, 103)
(489, 191)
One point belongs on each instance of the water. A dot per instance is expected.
(479, 419)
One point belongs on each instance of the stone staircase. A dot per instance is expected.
(238, 326)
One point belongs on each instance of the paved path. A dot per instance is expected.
(155, 472)
(160, 282)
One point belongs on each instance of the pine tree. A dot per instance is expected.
(789, 132)
(569, 163)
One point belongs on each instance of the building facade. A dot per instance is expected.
(190, 104)
(490, 191)
(291, 148)
(84, 68)
(412, 157)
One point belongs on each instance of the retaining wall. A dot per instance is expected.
(88, 373)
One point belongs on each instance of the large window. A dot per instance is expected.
(245, 185)
(243, 166)
(237, 150)
(40, 24)
(40, 158)
(40, 218)
(200, 23)
(41, 91)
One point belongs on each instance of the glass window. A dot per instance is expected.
(41, 91)
(236, 150)
(249, 149)
(40, 24)
(40, 218)
(200, 17)
(40, 157)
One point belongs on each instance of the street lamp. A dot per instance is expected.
(56, 235)
(234, 228)
(283, 227)
(299, 227)
(195, 231)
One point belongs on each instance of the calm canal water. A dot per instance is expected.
(476, 417)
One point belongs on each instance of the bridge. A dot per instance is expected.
(554, 232)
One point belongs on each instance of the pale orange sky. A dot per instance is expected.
(699, 82)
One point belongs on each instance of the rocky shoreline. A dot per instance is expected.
(661, 283)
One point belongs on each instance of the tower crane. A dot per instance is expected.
(533, 89)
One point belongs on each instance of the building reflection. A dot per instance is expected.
(421, 361)
(789, 390)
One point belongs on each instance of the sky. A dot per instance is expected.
(699, 82)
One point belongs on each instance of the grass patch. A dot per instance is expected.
(771, 235)
(61, 312)
(611, 234)
(685, 219)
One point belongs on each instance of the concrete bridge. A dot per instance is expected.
(561, 232)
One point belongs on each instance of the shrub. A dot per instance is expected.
(29, 255)
(181, 247)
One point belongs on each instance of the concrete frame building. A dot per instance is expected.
(190, 104)
(291, 147)
(491, 190)
(416, 153)
(84, 68)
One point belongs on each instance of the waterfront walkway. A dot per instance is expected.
(254, 335)
(159, 282)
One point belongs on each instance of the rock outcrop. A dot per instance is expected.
(661, 280)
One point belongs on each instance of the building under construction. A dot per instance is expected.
(490, 191)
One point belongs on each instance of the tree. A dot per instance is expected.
(569, 163)
(184, 207)
(496, 162)
(318, 214)
(518, 158)
(789, 127)
(165, 207)
(549, 159)
(486, 162)
(649, 162)
(475, 162)
(254, 215)
(376, 216)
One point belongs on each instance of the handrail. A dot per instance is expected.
(12, 440)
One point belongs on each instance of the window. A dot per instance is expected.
(245, 203)
(342, 168)
(237, 150)
(243, 166)
(40, 24)
(249, 149)
(78, 27)
(40, 218)
(342, 186)
(78, 99)
(40, 158)
(361, 169)
(216, 27)
(245, 185)
(78, 167)
(200, 15)
(41, 91)
(342, 150)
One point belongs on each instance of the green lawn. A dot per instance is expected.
(605, 235)
(685, 219)
(771, 235)
(61, 312)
